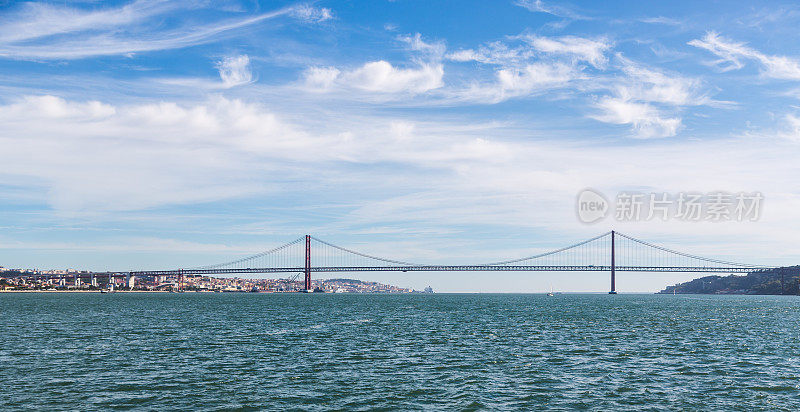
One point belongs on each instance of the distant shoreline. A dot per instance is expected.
(384, 293)
(133, 291)
(81, 291)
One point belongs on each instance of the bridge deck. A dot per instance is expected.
(454, 268)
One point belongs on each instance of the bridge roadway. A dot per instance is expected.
(452, 268)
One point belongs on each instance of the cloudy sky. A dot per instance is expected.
(159, 134)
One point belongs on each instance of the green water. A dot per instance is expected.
(354, 352)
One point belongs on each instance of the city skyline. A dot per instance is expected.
(151, 134)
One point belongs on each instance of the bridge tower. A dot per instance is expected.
(308, 264)
(613, 267)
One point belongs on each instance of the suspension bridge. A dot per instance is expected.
(609, 252)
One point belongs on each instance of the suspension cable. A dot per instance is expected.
(663, 249)
(547, 253)
(237, 261)
(397, 262)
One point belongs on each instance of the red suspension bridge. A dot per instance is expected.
(610, 252)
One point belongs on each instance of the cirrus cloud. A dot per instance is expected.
(733, 54)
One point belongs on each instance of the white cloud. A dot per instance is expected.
(312, 14)
(661, 20)
(794, 123)
(381, 76)
(534, 76)
(646, 121)
(494, 53)
(235, 70)
(320, 78)
(106, 32)
(729, 52)
(648, 100)
(377, 77)
(509, 83)
(93, 156)
(589, 50)
(37, 20)
(465, 55)
(434, 50)
(538, 6)
(57, 108)
(538, 64)
(791, 128)
(530, 64)
(650, 85)
(592, 51)
(733, 54)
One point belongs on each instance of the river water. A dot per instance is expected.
(83, 351)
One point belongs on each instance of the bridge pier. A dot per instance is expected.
(613, 267)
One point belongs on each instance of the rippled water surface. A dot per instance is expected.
(280, 351)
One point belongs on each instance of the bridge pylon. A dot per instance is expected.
(613, 267)
(307, 270)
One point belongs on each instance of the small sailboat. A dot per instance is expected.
(550, 293)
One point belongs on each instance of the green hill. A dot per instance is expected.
(781, 281)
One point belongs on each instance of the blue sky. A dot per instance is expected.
(152, 134)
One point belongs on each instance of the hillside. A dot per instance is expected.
(782, 281)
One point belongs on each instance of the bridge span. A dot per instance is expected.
(609, 252)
